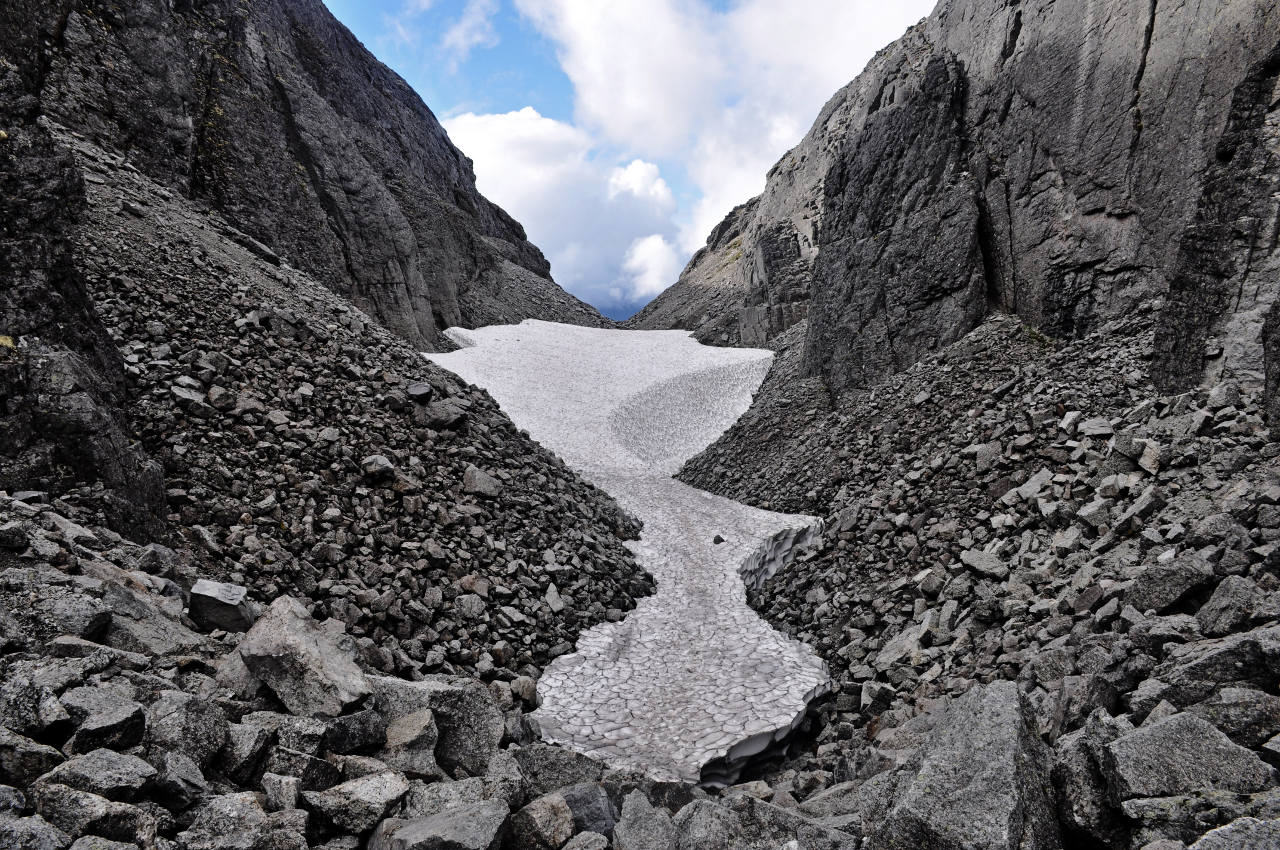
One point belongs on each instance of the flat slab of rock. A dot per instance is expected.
(312, 670)
(477, 826)
(1181, 754)
(116, 776)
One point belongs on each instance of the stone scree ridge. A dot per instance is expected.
(692, 675)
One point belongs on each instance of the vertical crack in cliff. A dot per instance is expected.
(1135, 105)
(302, 153)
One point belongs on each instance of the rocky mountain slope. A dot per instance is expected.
(273, 114)
(1063, 161)
(136, 717)
(1024, 328)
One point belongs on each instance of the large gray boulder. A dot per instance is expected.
(1249, 717)
(310, 668)
(468, 723)
(475, 826)
(643, 827)
(33, 833)
(218, 605)
(1242, 834)
(358, 805)
(238, 822)
(981, 781)
(22, 759)
(1181, 754)
(116, 776)
(185, 723)
(547, 767)
(104, 718)
(1162, 585)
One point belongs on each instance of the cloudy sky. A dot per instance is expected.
(619, 132)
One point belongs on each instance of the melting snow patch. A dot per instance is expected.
(692, 675)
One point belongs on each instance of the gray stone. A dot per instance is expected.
(544, 824)
(28, 708)
(360, 804)
(411, 745)
(33, 833)
(12, 802)
(592, 809)
(1249, 717)
(178, 783)
(1181, 754)
(642, 827)
(704, 825)
(116, 776)
(360, 732)
(547, 767)
(311, 670)
(78, 812)
(476, 826)
(587, 841)
(104, 718)
(314, 774)
(772, 825)
(481, 483)
(215, 605)
(985, 760)
(1242, 834)
(183, 723)
(1229, 608)
(242, 756)
(985, 564)
(377, 467)
(281, 792)
(469, 725)
(22, 759)
(93, 842)
(1161, 586)
(238, 822)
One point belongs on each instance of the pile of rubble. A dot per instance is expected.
(136, 714)
(1024, 539)
(307, 451)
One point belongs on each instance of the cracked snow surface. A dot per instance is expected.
(691, 675)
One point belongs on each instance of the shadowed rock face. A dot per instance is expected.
(1063, 161)
(61, 378)
(274, 114)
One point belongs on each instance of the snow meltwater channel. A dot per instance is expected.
(692, 675)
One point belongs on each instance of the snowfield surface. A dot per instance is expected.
(692, 674)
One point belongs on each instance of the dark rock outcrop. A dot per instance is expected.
(275, 115)
(1064, 161)
(61, 378)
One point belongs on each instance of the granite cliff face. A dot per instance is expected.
(275, 115)
(1063, 161)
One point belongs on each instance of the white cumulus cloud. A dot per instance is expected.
(666, 93)
(642, 179)
(472, 29)
(653, 264)
(583, 211)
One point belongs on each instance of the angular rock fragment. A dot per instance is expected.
(984, 760)
(359, 805)
(476, 826)
(1181, 754)
(216, 605)
(311, 670)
